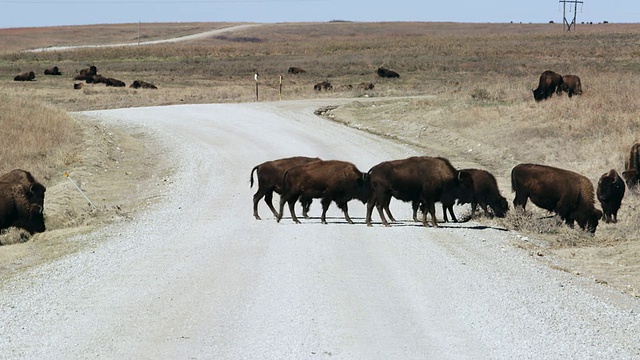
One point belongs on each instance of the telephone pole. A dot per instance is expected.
(565, 24)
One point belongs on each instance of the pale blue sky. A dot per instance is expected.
(26, 13)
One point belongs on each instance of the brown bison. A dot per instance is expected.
(77, 86)
(270, 176)
(550, 82)
(421, 180)
(25, 76)
(96, 79)
(21, 201)
(115, 82)
(330, 180)
(485, 193)
(52, 71)
(139, 84)
(631, 165)
(366, 86)
(610, 192)
(86, 73)
(386, 73)
(571, 85)
(295, 70)
(325, 85)
(568, 194)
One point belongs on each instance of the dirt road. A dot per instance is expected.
(196, 276)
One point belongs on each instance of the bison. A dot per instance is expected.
(21, 201)
(139, 84)
(568, 194)
(52, 71)
(86, 73)
(96, 79)
(77, 86)
(366, 86)
(631, 165)
(421, 180)
(610, 192)
(25, 76)
(270, 176)
(571, 85)
(325, 85)
(485, 193)
(33, 190)
(386, 73)
(329, 180)
(295, 70)
(549, 83)
(115, 82)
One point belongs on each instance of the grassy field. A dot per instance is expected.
(468, 89)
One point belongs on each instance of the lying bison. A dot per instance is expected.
(52, 71)
(25, 76)
(568, 194)
(610, 192)
(330, 180)
(386, 73)
(421, 180)
(485, 193)
(139, 84)
(549, 83)
(325, 85)
(86, 73)
(96, 79)
(571, 85)
(295, 70)
(631, 165)
(115, 82)
(270, 176)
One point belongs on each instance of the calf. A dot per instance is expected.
(571, 85)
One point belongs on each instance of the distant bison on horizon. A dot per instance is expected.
(25, 76)
(386, 73)
(296, 70)
(139, 84)
(52, 71)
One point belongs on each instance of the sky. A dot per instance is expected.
(37, 13)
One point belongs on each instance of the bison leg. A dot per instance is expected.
(414, 206)
(520, 200)
(388, 211)
(292, 203)
(268, 198)
(306, 205)
(370, 205)
(256, 198)
(345, 210)
(325, 206)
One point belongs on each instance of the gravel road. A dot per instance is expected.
(197, 277)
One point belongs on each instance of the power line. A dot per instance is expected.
(565, 24)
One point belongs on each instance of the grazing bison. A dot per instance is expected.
(366, 86)
(115, 82)
(325, 85)
(295, 70)
(52, 71)
(77, 86)
(386, 73)
(421, 180)
(485, 193)
(25, 76)
(610, 192)
(571, 85)
(17, 210)
(86, 73)
(568, 194)
(549, 83)
(270, 176)
(631, 165)
(139, 84)
(330, 180)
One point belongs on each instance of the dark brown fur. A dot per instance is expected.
(295, 70)
(86, 73)
(138, 84)
(270, 176)
(366, 86)
(386, 73)
(331, 180)
(421, 180)
(631, 165)
(568, 194)
(485, 193)
(77, 86)
(115, 82)
(549, 83)
(571, 85)
(52, 71)
(26, 76)
(325, 85)
(20, 209)
(610, 192)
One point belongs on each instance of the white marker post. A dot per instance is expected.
(255, 76)
(77, 187)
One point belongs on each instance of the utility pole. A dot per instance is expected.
(565, 24)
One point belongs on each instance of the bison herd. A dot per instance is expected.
(424, 181)
(88, 75)
(327, 86)
(551, 82)
(21, 202)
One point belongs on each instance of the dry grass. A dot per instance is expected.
(471, 86)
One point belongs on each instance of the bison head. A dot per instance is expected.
(538, 94)
(500, 207)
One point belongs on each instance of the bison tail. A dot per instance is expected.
(513, 180)
(251, 177)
